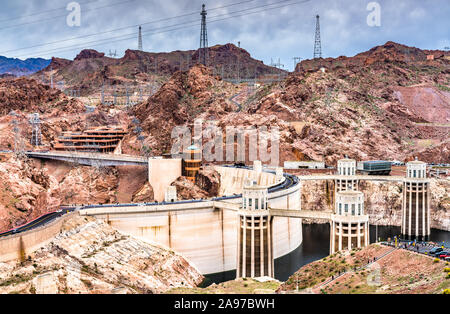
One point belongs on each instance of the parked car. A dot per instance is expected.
(444, 254)
(435, 250)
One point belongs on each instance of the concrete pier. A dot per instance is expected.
(255, 238)
(416, 201)
(349, 225)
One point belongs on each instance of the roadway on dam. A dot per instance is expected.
(157, 207)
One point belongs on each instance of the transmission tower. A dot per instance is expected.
(296, 61)
(140, 39)
(36, 135)
(318, 43)
(51, 77)
(203, 53)
(112, 54)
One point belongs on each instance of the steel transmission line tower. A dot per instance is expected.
(203, 53)
(318, 43)
(140, 47)
(36, 136)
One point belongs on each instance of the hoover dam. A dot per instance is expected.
(204, 231)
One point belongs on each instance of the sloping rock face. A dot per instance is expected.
(92, 69)
(26, 193)
(27, 95)
(184, 98)
(87, 185)
(367, 107)
(226, 59)
(187, 190)
(209, 180)
(90, 257)
(144, 194)
(383, 201)
(89, 54)
(31, 188)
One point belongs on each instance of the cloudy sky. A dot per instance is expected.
(268, 29)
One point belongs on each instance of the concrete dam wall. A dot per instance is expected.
(19, 246)
(206, 232)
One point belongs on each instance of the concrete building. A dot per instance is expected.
(98, 140)
(161, 174)
(346, 168)
(416, 201)
(349, 224)
(171, 194)
(255, 238)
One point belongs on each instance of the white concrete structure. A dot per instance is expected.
(349, 225)
(161, 174)
(257, 166)
(304, 165)
(347, 169)
(171, 194)
(255, 238)
(416, 201)
(205, 232)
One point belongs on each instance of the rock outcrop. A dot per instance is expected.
(383, 201)
(90, 257)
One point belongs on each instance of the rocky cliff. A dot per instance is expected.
(383, 201)
(90, 257)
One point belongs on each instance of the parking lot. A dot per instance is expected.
(427, 248)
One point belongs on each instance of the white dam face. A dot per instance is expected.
(207, 235)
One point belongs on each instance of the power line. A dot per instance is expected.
(123, 28)
(179, 26)
(43, 12)
(64, 15)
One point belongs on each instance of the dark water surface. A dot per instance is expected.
(315, 246)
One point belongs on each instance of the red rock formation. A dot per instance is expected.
(27, 95)
(89, 54)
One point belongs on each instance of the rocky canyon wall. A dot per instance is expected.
(383, 201)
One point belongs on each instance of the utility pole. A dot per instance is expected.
(203, 53)
(103, 94)
(318, 43)
(140, 48)
(112, 54)
(36, 135)
(127, 95)
(296, 61)
(51, 76)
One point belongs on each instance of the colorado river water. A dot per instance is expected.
(315, 246)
